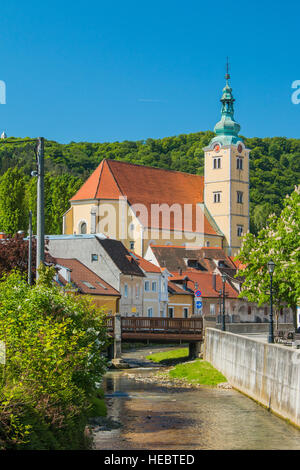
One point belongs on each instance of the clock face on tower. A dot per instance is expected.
(240, 148)
(217, 148)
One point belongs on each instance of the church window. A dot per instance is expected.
(217, 163)
(131, 244)
(217, 196)
(240, 197)
(239, 230)
(239, 163)
(83, 228)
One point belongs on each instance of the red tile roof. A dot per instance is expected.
(81, 273)
(175, 288)
(173, 257)
(145, 185)
(144, 264)
(205, 284)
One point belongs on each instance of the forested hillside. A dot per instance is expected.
(274, 171)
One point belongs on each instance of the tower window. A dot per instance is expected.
(239, 163)
(131, 245)
(240, 197)
(217, 196)
(217, 163)
(239, 230)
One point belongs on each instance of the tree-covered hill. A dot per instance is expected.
(274, 171)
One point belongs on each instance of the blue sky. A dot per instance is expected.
(104, 71)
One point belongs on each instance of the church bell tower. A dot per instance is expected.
(226, 176)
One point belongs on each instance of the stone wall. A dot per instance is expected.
(268, 373)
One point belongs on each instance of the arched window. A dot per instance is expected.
(83, 228)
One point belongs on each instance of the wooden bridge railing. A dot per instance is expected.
(161, 325)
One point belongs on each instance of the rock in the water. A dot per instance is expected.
(119, 364)
(225, 385)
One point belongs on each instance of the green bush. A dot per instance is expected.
(54, 343)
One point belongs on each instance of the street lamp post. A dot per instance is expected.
(223, 313)
(271, 267)
(220, 304)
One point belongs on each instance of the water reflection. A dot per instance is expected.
(157, 417)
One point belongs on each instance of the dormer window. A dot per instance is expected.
(217, 163)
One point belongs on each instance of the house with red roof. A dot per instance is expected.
(181, 298)
(155, 288)
(85, 282)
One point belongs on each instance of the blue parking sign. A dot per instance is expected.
(198, 304)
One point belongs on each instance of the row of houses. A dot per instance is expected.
(162, 284)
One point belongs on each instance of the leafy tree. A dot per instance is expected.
(280, 241)
(12, 209)
(14, 255)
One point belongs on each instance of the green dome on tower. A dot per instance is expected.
(227, 129)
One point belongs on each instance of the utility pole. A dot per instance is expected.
(40, 227)
(30, 250)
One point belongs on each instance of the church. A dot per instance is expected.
(142, 205)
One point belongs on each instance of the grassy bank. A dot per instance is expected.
(195, 372)
(198, 372)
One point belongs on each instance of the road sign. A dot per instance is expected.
(199, 305)
(198, 293)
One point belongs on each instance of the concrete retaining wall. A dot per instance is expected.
(269, 373)
(248, 327)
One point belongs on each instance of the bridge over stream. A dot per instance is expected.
(155, 329)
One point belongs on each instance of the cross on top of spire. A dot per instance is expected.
(227, 76)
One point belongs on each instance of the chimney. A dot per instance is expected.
(214, 281)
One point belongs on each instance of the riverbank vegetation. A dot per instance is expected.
(195, 372)
(274, 171)
(54, 345)
(198, 372)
